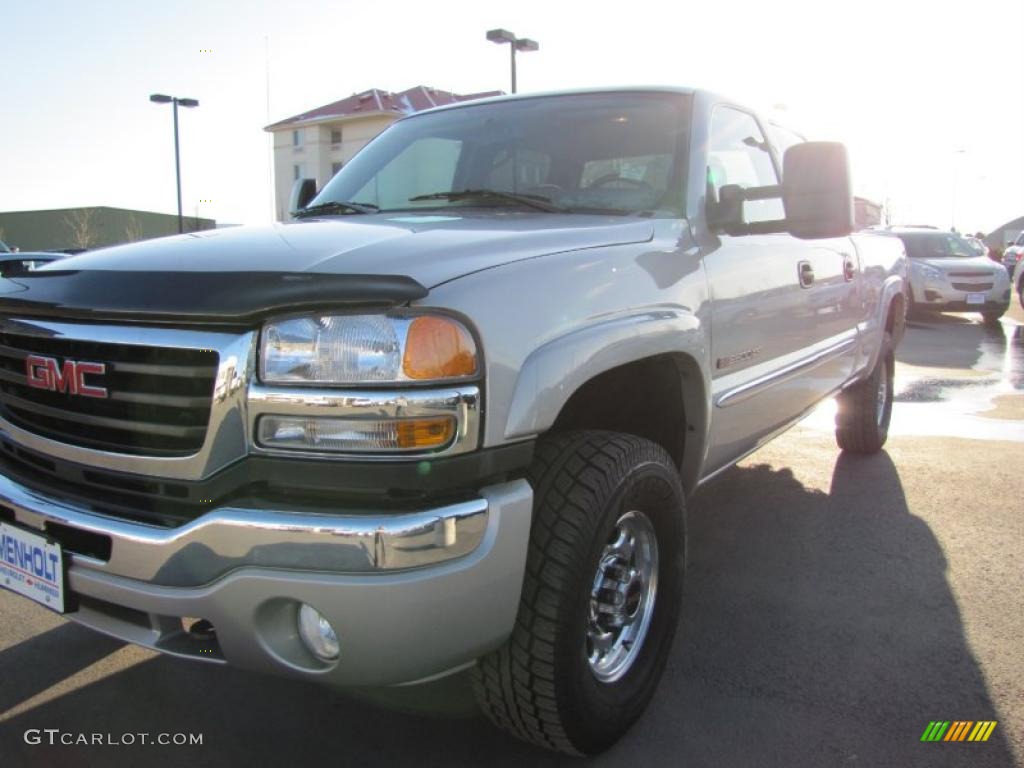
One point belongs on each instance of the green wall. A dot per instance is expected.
(100, 226)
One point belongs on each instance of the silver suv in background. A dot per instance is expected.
(948, 275)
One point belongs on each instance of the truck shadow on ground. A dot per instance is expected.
(818, 630)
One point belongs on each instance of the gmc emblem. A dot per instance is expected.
(46, 373)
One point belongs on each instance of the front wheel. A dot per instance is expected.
(865, 409)
(601, 594)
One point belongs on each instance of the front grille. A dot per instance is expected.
(158, 398)
(973, 286)
(972, 273)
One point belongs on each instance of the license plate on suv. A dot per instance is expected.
(32, 566)
(975, 298)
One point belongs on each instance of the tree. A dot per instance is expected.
(83, 230)
(132, 230)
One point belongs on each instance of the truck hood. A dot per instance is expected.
(430, 249)
(234, 274)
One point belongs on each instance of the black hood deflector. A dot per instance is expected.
(194, 297)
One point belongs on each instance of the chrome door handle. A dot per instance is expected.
(849, 267)
(806, 272)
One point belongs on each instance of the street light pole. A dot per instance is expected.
(956, 178)
(177, 165)
(159, 98)
(502, 36)
(512, 51)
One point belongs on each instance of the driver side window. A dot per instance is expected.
(739, 154)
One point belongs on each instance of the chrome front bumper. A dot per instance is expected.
(410, 595)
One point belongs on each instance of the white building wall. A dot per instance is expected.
(316, 155)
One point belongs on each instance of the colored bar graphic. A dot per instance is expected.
(958, 730)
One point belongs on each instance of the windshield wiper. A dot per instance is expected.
(539, 202)
(336, 206)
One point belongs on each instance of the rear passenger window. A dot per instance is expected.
(738, 154)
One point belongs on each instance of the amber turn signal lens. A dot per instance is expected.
(438, 348)
(424, 433)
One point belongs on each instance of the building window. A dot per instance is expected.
(335, 167)
(335, 135)
(296, 172)
(296, 138)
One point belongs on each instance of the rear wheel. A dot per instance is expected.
(601, 594)
(992, 317)
(865, 409)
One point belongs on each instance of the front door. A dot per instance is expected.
(780, 305)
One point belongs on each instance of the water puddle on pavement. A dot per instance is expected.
(954, 377)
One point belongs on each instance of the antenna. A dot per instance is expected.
(270, 136)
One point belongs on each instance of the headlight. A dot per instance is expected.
(928, 272)
(365, 349)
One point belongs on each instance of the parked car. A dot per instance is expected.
(948, 275)
(977, 245)
(450, 417)
(1014, 253)
(16, 263)
(1018, 280)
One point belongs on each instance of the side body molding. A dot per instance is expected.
(554, 371)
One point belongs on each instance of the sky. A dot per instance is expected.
(929, 97)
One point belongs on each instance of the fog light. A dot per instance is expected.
(368, 435)
(317, 633)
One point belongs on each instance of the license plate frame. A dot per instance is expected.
(33, 565)
(975, 298)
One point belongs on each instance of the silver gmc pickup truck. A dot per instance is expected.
(448, 417)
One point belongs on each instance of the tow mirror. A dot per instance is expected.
(816, 190)
(303, 190)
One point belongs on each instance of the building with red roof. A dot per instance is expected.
(317, 143)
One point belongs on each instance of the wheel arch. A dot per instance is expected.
(896, 317)
(640, 374)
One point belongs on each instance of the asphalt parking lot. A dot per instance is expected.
(835, 605)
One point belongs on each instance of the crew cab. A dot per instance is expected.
(449, 417)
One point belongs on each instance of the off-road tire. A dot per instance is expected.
(860, 428)
(540, 685)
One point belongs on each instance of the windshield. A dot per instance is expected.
(608, 152)
(936, 245)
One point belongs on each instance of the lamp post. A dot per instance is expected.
(159, 98)
(524, 44)
(957, 154)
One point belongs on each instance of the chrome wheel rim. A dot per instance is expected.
(882, 395)
(622, 597)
